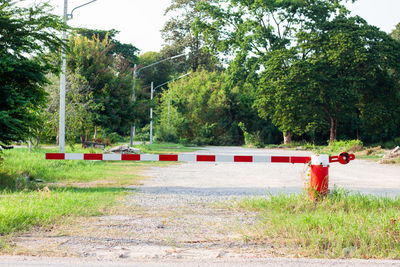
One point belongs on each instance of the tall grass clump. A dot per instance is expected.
(342, 225)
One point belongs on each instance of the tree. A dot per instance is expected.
(126, 51)
(351, 61)
(251, 30)
(180, 37)
(284, 93)
(109, 77)
(396, 32)
(202, 110)
(26, 34)
(314, 59)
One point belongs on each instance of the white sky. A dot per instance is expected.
(140, 21)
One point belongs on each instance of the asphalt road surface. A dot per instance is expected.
(258, 178)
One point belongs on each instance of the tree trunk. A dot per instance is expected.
(287, 138)
(82, 137)
(37, 139)
(57, 137)
(95, 132)
(333, 133)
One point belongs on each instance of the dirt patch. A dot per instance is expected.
(153, 226)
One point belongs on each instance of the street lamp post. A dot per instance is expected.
(151, 115)
(61, 130)
(136, 72)
(169, 102)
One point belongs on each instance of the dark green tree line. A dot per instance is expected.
(26, 36)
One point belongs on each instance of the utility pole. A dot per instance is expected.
(169, 102)
(151, 116)
(61, 134)
(61, 130)
(133, 128)
(136, 72)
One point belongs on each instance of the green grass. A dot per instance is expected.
(333, 148)
(19, 163)
(25, 204)
(20, 211)
(343, 225)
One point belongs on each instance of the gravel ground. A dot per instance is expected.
(175, 219)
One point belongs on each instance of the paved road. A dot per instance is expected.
(258, 178)
(269, 262)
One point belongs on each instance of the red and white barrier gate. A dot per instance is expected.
(319, 164)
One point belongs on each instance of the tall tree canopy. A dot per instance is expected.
(180, 37)
(127, 51)
(314, 65)
(26, 34)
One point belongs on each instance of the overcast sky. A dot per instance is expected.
(140, 21)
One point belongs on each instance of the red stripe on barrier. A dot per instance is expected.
(206, 158)
(93, 156)
(130, 157)
(168, 157)
(277, 159)
(300, 159)
(55, 156)
(243, 159)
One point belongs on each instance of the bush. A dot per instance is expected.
(337, 147)
(251, 139)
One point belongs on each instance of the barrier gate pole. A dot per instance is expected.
(319, 180)
(319, 164)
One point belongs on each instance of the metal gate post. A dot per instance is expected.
(319, 181)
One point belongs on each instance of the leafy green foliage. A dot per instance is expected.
(103, 82)
(204, 109)
(313, 65)
(180, 38)
(199, 105)
(26, 34)
(126, 51)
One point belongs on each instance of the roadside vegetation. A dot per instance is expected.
(344, 225)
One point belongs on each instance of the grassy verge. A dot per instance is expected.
(343, 225)
(20, 211)
(21, 165)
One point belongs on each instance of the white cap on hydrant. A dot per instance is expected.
(320, 160)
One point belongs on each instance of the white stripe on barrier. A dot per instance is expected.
(224, 158)
(74, 156)
(187, 157)
(261, 158)
(111, 156)
(149, 157)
